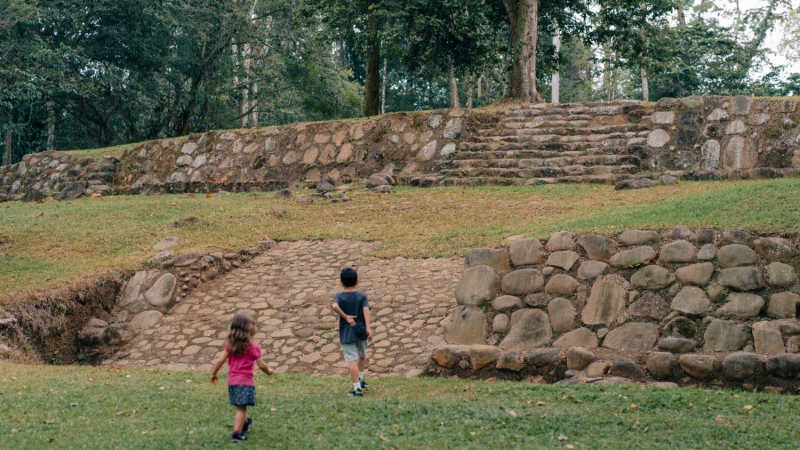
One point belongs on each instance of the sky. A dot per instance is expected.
(773, 39)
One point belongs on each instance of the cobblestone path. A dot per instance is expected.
(289, 290)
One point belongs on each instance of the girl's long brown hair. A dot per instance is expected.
(243, 328)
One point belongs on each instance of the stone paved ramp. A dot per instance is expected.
(289, 290)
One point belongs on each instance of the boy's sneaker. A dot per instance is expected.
(246, 426)
(239, 437)
(364, 384)
(356, 393)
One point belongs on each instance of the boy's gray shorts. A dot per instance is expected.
(352, 350)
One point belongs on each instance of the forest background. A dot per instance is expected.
(99, 73)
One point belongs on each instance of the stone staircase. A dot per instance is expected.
(579, 143)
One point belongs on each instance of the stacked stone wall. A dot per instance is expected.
(683, 306)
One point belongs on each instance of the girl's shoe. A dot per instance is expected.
(247, 424)
(363, 384)
(239, 437)
(356, 393)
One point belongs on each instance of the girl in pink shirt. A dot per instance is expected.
(242, 354)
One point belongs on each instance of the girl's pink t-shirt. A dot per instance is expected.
(240, 367)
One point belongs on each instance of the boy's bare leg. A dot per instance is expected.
(241, 418)
(354, 366)
(362, 364)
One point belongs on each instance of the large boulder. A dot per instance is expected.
(71, 192)
(560, 241)
(697, 366)
(632, 238)
(626, 368)
(448, 356)
(561, 284)
(477, 286)
(739, 366)
(783, 304)
(562, 314)
(378, 179)
(648, 306)
(511, 360)
(632, 337)
(161, 292)
(32, 195)
(483, 355)
(506, 303)
(697, 274)
(581, 337)
(599, 248)
(530, 328)
(542, 357)
(742, 278)
(589, 270)
(660, 364)
(652, 277)
(145, 320)
(775, 248)
(578, 358)
(606, 301)
(677, 252)
(633, 257)
(781, 275)
(725, 336)
(736, 255)
(119, 333)
(526, 251)
(692, 301)
(676, 345)
(742, 305)
(784, 366)
(767, 338)
(497, 259)
(563, 259)
(466, 325)
(521, 282)
(132, 291)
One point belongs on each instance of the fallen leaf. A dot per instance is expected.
(394, 425)
(40, 214)
(382, 438)
(575, 400)
(273, 409)
(561, 437)
(645, 429)
(213, 180)
(748, 407)
(95, 195)
(541, 404)
(208, 195)
(719, 420)
(119, 413)
(570, 446)
(173, 204)
(49, 421)
(73, 404)
(633, 405)
(39, 201)
(512, 414)
(14, 430)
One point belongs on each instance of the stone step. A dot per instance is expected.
(524, 163)
(540, 171)
(482, 181)
(513, 154)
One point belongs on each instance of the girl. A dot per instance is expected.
(241, 353)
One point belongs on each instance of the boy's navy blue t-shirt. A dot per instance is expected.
(352, 304)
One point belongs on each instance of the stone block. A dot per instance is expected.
(466, 325)
(589, 270)
(483, 355)
(659, 364)
(626, 368)
(561, 285)
(742, 305)
(598, 248)
(500, 323)
(530, 328)
(542, 357)
(606, 301)
(697, 274)
(742, 278)
(735, 255)
(649, 306)
(526, 251)
(691, 301)
(632, 337)
(562, 314)
(652, 277)
(632, 258)
(783, 304)
(781, 275)
(506, 303)
(632, 238)
(578, 358)
(521, 282)
(510, 360)
(725, 336)
(707, 252)
(145, 320)
(784, 366)
(739, 366)
(560, 241)
(162, 291)
(767, 338)
(697, 366)
(477, 286)
(677, 252)
(775, 248)
(581, 337)
(563, 259)
(498, 259)
(448, 356)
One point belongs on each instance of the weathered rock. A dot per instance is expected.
(606, 301)
(631, 238)
(632, 337)
(652, 277)
(500, 323)
(742, 305)
(589, 270)
(483, 355)
(71, 192)
(775, 248)
(539, 300)
(562, 314)
(376, 180)
(186, 259)
(788, 327)
(737, 237)
(32, 195)
(167, 242)
(521, 282)
(466, 326)
(735, 255)
(783, 304)
(526, 251)
(560, 241)
(185, 221)
(132, 290)
(680, 327)
(676, 345)
(563, 259)
(542, 357)
(739, 366)
(704, 236)
(161, 292)
(626, 368)
(145, 320)
(659, 364)
(649, 306)
(94, 322)
(498, 259)
(697, 366)
(632, 258)
(725, 336)
(767, 338)
(285, 194)
(598, 248)
(506, 303)
(781, 275)
(325, 186)
(598, 369)
(578, 358)
(561, 285)
(692, 301)
(91, 337)
(784, 366)
(510, 360)
(581, 337)
(679, 232)
(742, 278)
(383, 189)
(477, 286)
(698, 274)
(119, 333)
(677, 252)
(448, 356)
(715, 292)
(707, 252)
(530, 328)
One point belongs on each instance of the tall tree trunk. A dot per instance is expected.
(480, 81)
(529, 15)
(556, 76)
(607, 72)
(245, 105)
(254, 105)
(645, 87)
(738, 23)
(372, 88)
(763, 27)
(471, 81)
(51, 127)
(383, 89)
(7, 147)
(515, 86)
(453, 90)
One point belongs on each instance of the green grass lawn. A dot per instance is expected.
(76, 407)
(45, 245)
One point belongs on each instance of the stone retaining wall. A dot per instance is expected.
(685, 306)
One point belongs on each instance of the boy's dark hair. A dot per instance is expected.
(349, 277)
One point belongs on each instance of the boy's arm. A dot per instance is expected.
(350, 319)
(217, 365)
(367, 320)
(264, 367)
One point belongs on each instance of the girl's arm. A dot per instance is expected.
(217, 365)
(350, 319)
(264, 367)
(367, 320)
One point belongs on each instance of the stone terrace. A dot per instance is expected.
(288, 290)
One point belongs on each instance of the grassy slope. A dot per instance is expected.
(75, 407)
(44, 245)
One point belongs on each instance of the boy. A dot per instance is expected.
(354, 328)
